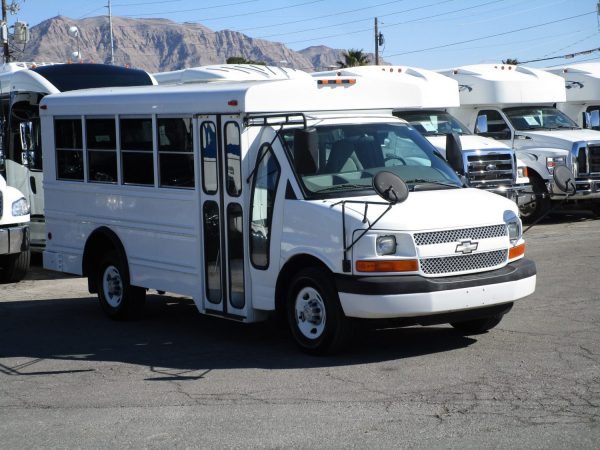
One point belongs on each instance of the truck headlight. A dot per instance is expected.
(20, 207)
(386, 245)
(553, 161)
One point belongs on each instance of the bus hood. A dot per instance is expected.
(434, 210)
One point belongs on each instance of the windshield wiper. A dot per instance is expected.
(418, 181)
(344, 187)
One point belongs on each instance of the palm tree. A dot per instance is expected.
(353, 57)
(513, 61)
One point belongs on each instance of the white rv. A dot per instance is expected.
(22, 85)
(260, 196)
(484, 163)
(14, 233)
(582, 84)
(516, 105)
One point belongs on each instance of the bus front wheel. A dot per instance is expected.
(118, 299)
(314, 313)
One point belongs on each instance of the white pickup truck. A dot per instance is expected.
(14, 234)
(516, 106)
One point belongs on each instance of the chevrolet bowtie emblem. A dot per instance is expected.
(466, 246)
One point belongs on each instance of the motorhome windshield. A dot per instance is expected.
(432, 123)
(345, 158)
(538, 118)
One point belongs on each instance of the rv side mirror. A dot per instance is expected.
(454, 153)
(586, 119)
(482, 124)
(564, 179)
(306, 151)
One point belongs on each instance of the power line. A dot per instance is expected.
(490, 36)
(361, 20)
(396, 24)
(567, 56)
(226, 17)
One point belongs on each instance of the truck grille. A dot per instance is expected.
(594, 158)
(463, 263)
(443, 237)
(492, 169)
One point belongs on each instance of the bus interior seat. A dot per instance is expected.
(343, 157)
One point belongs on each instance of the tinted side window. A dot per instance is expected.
(233, 152)
(208, 152)
(102, 150)
(69, 149)
(497, 126)
(136, 151)
(175, 152)
(264, 189)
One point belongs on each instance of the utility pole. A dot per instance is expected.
(6, 58)
(112, 45)
(376, 43)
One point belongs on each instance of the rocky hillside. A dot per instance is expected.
(159, 45)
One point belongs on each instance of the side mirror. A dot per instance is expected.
(390, 187)
(586, 119)
(306, 151)
(481, 125)
(564, 179)
(454, 153)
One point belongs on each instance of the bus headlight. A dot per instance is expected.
(20, 207)
(514, 230)
(386, 245)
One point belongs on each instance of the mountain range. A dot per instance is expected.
(157, 45)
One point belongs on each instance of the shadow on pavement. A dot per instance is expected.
(172, 337)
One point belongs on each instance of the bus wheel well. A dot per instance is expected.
(293, 266)
(101, 241)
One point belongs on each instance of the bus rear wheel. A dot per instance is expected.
(118, 299)
(315, 316)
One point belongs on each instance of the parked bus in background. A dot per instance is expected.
(22, 86)
(302, 196)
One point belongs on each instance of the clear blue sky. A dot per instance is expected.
(423, 33)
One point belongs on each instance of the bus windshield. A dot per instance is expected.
(538, 118)
(347, 157)
(432, 123)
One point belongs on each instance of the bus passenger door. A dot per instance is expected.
(222, 216)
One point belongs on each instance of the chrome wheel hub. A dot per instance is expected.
(112, 286)
(310, 313)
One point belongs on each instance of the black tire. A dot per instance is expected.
(320, 326)
(118, 299)
(13, 268)
(540, 204)
(477, 326)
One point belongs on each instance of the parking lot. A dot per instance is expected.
(71, 378)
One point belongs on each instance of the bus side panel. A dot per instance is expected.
(155, 226)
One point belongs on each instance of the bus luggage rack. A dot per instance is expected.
(260, 120)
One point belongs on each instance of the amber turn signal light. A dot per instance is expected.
(517, 251)
(403, 265)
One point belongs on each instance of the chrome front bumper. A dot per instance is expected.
(14, 239)
(588, 189)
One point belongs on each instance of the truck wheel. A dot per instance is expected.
(315, 316)
(540, 204)
(14, 267)
(119, 300)
(477, 326)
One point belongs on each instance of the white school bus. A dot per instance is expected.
(260, 196)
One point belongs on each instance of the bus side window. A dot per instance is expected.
(175, 152)
(264, 188)
(208, 153)
(102, 150)
(233, 152)
(69, 149)
(136, 151)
